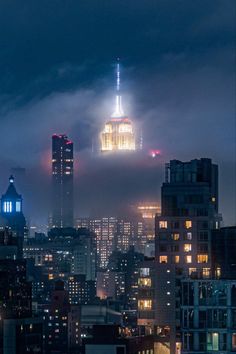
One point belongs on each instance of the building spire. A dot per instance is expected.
(118, 76)
(118, 106)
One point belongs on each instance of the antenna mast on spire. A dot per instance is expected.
(118, 108)
(118, 75)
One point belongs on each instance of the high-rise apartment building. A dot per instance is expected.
(183, 237)
(105, 230)
(62, 181)
(189, 213)
(113, 233)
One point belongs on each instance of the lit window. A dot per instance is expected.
(192, 270)
(202, 258)
(206, 272)
(162, 224)
(7, 207)
(189, 236)
(144, 272)
(163, 259)
(212, 341)
(187, 247)
(188, 224)
(18, 207)
(145, 282)
(176, 259)
(188, 259)
(144, 304)
(175, 237)
(213, 199)
(218, 272)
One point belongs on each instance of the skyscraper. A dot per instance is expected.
(11, 214)
(183, 237)
(118, 132)
(62, 181)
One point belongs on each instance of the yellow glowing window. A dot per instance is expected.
(192, 270)
(163, 224)
(206, 272)
(175, 237)
(144, 304)
(187, 247)
(125, 128)
(188, 259)
(145, 282)
(48, 257)
(108, 128)
(213, 199)
(50, 276)
(163, 259)
(188, 224)
(218, 272)
(202, 258)
(176, 259)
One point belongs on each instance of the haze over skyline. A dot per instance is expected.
(57, 76)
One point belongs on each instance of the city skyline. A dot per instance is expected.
(177, 93)
(118, 177)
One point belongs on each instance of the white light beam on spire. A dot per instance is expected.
(118, 108)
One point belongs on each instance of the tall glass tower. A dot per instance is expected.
(62, 181)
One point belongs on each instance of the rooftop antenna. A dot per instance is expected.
(118, 108)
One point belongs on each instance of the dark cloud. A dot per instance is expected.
(57, 75)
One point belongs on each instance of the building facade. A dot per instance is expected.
(62, 181)
(208, 316)
(183, 238)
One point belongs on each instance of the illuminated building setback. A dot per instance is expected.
(118, 132)
(62, 181)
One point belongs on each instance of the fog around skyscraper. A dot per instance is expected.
(117, 183)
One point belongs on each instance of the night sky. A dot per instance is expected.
(57, 71)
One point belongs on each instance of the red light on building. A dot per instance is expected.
(154, 153)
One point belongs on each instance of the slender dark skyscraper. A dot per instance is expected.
(62, 181)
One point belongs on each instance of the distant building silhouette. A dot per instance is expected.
(11, 215)
(62, 181)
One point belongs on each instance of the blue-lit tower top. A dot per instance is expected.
(11, 201)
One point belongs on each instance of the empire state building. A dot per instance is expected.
(118, 134)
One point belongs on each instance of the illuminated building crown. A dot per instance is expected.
(118, 132)
(11, 201)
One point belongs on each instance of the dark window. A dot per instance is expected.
(120, 350)
(163, 248)
(233, 296)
